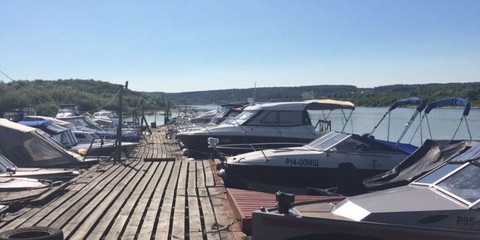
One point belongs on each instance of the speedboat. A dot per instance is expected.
(442, 204)
(314, 165)
(261, 126)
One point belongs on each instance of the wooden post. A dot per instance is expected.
(118, 150)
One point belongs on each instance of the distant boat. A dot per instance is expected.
(86, 123)
(16, 115)
(66, 110)
(68, 137)
(442, 204)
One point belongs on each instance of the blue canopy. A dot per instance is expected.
(47, 126)
(449, 102)
(420, 103)
(404, 147)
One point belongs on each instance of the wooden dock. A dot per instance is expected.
(155, 194)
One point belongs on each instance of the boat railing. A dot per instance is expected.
(250, 147)
(323, 125)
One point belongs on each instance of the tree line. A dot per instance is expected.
(93, 95)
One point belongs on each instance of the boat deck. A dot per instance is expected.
(155, 194)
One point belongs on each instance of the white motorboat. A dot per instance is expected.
(261, 126)
(442, 204)
(313, 165)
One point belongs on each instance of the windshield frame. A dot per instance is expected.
(241, 118)
(327, 141)
(449, 174)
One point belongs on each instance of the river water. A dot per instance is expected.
(440, 123)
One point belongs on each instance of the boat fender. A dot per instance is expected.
(186, 152)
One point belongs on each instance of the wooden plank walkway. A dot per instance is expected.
(155, 194)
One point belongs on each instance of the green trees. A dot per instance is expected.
(92, 95)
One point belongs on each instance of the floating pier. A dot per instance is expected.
(154, 194)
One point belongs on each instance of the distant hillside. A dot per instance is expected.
(45, 96)
(92, 95)
(378, 96)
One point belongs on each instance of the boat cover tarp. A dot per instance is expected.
(430, 155)
(30, 147)
(380, 145)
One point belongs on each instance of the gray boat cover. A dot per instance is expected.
(432, 154)
(30, 147)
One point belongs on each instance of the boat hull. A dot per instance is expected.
(292, 179)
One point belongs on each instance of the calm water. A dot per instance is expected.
(443, 123)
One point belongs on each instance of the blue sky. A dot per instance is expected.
(179, 46)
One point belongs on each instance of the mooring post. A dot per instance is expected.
(118, 150)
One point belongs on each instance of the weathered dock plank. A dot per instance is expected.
(164, 226)
(150, 222)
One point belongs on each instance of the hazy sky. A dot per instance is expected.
(177, 46)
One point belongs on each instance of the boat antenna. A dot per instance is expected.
(254, 91)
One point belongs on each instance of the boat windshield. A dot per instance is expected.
(5, 164)
(462, 181)
(105, 114)
(328, 141)
(240, 118)
(84, 121)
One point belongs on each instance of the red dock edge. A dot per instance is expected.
(244, 202)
